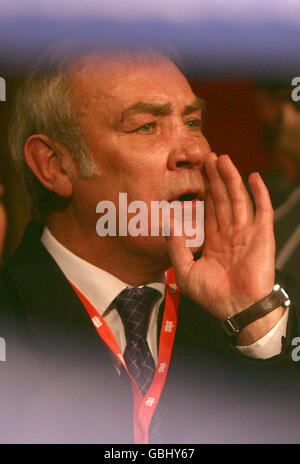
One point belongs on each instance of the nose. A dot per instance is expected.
(188, 152)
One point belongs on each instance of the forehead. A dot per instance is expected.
(115, 84)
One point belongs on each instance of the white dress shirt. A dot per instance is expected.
(101, 288)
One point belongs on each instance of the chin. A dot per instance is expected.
(152, 248)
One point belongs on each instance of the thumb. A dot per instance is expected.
(181, 256)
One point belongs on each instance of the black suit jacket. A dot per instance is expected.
(58, 384)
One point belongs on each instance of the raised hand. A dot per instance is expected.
(237, 266)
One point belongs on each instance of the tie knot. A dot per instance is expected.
(134, 306)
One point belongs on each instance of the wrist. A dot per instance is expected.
(255, 321)
(238, 305)
(259, 328)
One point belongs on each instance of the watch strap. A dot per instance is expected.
(278, 297)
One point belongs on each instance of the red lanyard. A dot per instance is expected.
(144, 407)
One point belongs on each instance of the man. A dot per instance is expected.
(108, 123)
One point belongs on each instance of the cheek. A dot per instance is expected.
(146, 151)
(134, 166)
(147, 164)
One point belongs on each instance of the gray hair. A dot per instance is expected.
(44, 105)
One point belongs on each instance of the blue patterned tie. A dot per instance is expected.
(134, 306)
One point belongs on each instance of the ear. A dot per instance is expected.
(49, 164)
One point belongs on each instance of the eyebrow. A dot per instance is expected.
(143, 107)
(198, 104)
(157, 109)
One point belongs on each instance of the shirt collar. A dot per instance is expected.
(98, 286)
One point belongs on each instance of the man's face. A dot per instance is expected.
(142, 124)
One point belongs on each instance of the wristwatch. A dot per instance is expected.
(278, 297)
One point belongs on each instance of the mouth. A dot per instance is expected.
(187, 196)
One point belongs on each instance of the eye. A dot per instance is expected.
(194, 124)
(147, 128)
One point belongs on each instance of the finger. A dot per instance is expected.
(264, 210)
(219, 192)
(242, 208)
(181, 256)
(210, 219)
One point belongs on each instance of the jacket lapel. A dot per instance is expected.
(54, 313)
